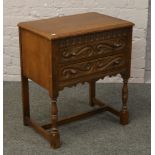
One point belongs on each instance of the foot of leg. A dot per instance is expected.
(124, 117)
(55, 140)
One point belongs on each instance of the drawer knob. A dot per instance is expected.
(117, 45)
(117, 62)
(73, 54)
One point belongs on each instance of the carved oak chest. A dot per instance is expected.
(64, 51)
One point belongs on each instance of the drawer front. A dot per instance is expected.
(92, 45)
(92, 67)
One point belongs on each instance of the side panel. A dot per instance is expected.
(35, 57)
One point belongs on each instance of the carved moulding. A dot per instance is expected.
(92, 37)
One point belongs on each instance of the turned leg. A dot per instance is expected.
(124, 111)
(25, 98)
(91, 92)
(55, 137)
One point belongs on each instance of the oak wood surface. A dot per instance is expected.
(60, 27)
(35, 57)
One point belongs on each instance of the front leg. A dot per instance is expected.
(124, 112)
(55, 137)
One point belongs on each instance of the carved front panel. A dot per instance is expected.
(91, 67)
(92, 45)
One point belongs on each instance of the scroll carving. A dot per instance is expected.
(70, 53)
(92, 45)
(91, 49)
(91, 67)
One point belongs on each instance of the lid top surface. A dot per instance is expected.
(65, 26)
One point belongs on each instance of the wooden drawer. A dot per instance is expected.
(92, 67)
(93, 45)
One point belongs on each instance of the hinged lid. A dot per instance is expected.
(60, 27)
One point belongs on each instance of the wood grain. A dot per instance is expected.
(61, 27)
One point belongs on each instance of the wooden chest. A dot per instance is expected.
(64, 51)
